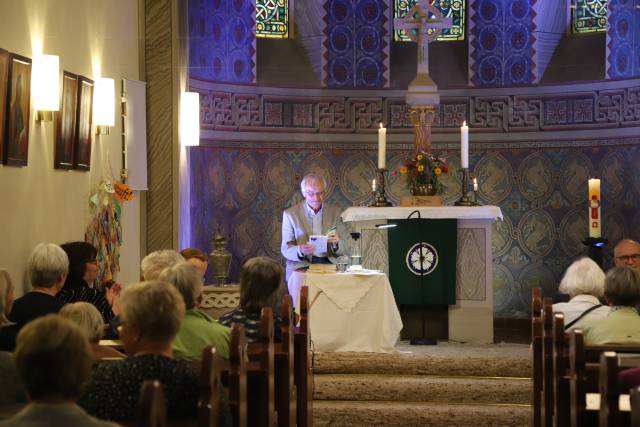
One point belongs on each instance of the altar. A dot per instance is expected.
(471, 318)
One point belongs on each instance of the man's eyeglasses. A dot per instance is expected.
(627, 258)
(313, 193)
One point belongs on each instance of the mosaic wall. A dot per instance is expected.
(357, 38)
(501, 42)
(623, 39)
(244, 187)
(222, 40)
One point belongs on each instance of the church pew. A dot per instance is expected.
(586, 377)
(209, 388)
(284, 364)
(547, 398)
(151, 410)
(303, 376)
(561, 394)
(236, 375)
(260, 375)
(536, 350)
(634, 400)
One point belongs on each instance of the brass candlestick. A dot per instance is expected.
(465, 200)
(379, 195)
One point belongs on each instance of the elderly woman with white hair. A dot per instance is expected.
(87, 317)
(584, 283)
(150, 315)
(198, 329)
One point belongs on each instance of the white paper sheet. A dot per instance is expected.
(321, 244)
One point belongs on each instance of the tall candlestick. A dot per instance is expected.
(595, 220)
(464, 145)
(382, 147)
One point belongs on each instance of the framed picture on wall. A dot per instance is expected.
(16, 144)
(66, 122)
(82, 158)
(4, 83)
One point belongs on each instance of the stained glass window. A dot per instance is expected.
(589, 16)
(454, 9)
(272, 18)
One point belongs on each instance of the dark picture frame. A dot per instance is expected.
(66, 122)
(4, 86)
(82, 157)
(16, 143)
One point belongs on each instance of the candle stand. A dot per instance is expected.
(595, 246)
(379, 195)
(465, 200)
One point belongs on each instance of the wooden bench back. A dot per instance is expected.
(260, 375)
(151, 410)
(536, 357)
(302, 364)
(237, 376)
(547, 399)
(209, 388)
(284, 365)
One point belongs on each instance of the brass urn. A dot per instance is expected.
(220, 258)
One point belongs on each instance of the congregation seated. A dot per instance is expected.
(198, 329)
(154, 263)
(83, 271)
(150, 315)
(584, 283)
(87, 317)
(261, 285)
(197, 258)
(622, 325)
(8, 329)
(47, 269)
(53, 360)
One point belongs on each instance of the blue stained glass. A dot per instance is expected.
(589, 16)
(454, 9)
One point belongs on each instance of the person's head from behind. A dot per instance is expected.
(83, 263)
(197, 258)
(622, 287)
(153, 264)
(150, 313)
(187, 280)
(583, 277)
(6, 296)
(53, 359)
(627, 253)
(87, 317)
(47, 267)
(261, 284)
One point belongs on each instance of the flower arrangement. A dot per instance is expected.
(423, 172)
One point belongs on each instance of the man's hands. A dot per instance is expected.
(307, 248)
(333, 238)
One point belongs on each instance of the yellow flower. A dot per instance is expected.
(403, 169)
(437, 171)
(420, 168)
(419, 157)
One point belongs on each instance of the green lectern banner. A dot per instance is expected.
(433, 281)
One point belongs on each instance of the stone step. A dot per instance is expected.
(416, 388)
(450, 361)
(340, 413)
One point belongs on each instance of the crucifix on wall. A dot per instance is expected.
(423, 24)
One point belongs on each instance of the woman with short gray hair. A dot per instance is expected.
(198, 329)
(150, 315)
(622, 325)
(87, 317)
(584, 283)
(47, 269)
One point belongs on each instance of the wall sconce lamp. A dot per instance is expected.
(190, 119)
(104, 105)
(45, 86)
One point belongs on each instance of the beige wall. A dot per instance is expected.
(37, 202)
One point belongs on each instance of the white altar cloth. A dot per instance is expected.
(357, 213)
(349, 312)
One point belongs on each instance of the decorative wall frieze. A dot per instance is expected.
(313, 111)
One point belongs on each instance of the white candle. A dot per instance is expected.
(595, 220)
(475, 184)
(382, 147)
(373, 185)
(464, 145)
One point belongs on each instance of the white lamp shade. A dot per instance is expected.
(45, 83)
(104, 102)
(190, 119)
